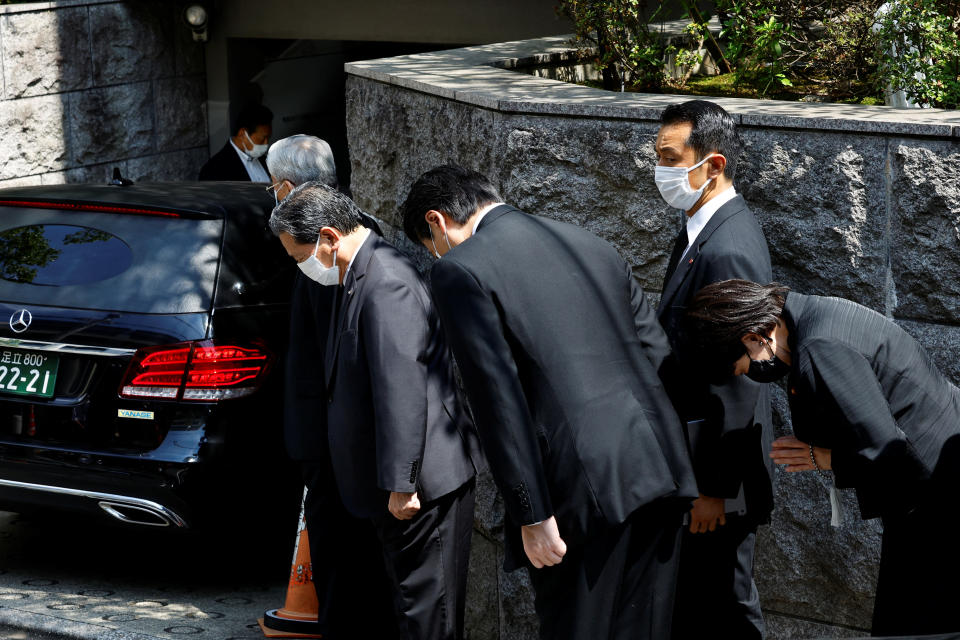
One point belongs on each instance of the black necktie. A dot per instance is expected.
(678, 249)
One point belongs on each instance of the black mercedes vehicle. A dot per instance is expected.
(140, 332)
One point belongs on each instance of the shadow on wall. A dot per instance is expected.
(95, 86)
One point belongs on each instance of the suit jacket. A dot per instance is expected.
(731, 446)
(226, 165)
(305, 393)
(395, 421)
(861, 386)
(558, 350)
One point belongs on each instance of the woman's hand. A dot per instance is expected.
(796, 455)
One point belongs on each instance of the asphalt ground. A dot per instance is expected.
(73, 578)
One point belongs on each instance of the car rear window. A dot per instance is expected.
(108, 261)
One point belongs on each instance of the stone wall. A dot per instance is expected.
(89, 85)
(858, 202)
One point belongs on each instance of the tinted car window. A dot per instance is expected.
(108, 261)
(57, 255)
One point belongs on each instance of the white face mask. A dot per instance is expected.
(316, 271)
(674, 185)
(435, 252)
(258, 149)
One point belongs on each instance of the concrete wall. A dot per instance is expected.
(91, 85)
(858, 202)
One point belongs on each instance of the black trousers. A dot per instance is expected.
(354, 592)
(426, 559)
(715, 588)
(618, 585)
(918, 589)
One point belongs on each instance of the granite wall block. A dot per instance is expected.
(33, 140)
(45, 52)
(924, 203)
(820, 201)
(90, 87)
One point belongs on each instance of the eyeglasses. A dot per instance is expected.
(273, 186)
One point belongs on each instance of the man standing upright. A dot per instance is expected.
(353, 591)
(399, 441)
(559, 350)
(729, 426)
(241, 158)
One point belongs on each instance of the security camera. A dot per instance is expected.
(196, 18)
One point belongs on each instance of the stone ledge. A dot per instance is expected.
(482, 76)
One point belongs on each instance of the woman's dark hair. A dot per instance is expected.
(721, 313)
(454, 190)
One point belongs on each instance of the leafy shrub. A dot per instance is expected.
(921, 54)
(619, 37)
(840, 49)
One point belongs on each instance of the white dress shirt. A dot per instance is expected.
(699, 220)
(254, 169)
(487, 209)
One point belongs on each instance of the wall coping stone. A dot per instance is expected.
(26, 7)
(484, 76)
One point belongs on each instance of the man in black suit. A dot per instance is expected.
(559, 350)
(867, 401)
(729, 425)
(241, 158)
(353, 591)
(398, 438)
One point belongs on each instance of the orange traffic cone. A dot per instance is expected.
(298, 617)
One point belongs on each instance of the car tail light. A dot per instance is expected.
(199, 371)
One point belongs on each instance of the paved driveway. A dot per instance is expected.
(70, 577)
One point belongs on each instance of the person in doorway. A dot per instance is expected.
(868, 403)
(241, 158)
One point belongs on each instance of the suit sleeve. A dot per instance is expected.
(475, 333)
(395, 337)
(869, 450)
(654, 340)
(730, 407)
(304, 391)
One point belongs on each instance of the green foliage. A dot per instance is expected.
(921, 51)
(837, 50)
(826, 44)
(22, 250)
(618, 35)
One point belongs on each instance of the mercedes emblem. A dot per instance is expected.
(20, 320)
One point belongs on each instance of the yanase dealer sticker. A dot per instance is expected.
(28, 373)
(138, 415)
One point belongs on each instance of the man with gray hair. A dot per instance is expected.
(299, 159)
(400, 443)
(353, 598)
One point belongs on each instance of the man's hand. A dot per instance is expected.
(707, 514)
(542, 543)
(403, 506)
(796, 454)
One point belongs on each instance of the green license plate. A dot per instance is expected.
(28, 373)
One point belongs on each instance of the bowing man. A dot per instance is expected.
(558, 351)
(868, 403)
(399, 441)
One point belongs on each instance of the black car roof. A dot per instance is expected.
(212, 198)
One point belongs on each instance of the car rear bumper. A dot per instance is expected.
(125, 508)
